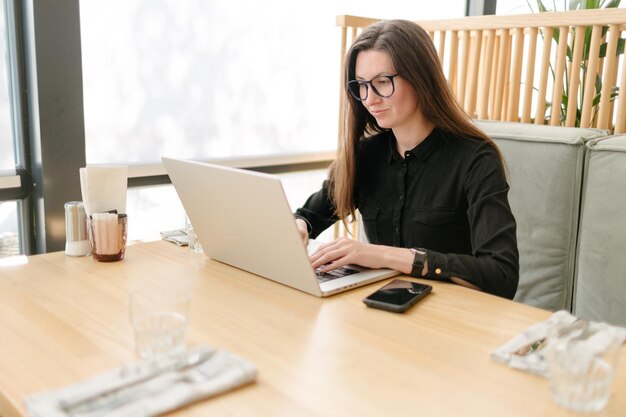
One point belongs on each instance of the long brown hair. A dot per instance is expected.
(415, 58)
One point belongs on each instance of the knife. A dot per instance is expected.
(179, 362)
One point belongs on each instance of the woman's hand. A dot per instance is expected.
(304, 231)
(344, 251)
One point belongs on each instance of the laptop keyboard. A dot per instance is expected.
(337, 273)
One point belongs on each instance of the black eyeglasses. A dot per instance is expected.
(382, 85)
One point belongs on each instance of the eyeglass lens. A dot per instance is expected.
(383, 86)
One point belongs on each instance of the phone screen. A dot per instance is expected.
(398, 295)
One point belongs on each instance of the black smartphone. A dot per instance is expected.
(397, 296)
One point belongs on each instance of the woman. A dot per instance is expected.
(430, 186)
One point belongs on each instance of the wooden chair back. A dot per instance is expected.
(533, 68)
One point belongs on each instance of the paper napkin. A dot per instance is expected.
(526, 351)
(104, 188)
(147, 388)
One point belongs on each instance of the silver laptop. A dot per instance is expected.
(242, 218)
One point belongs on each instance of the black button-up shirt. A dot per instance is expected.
(448, 196)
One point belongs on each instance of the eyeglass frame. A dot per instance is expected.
(368, 84)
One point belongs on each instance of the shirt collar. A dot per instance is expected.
(421, 151)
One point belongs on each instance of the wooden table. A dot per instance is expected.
(64, 319)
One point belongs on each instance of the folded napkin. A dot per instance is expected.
(526, 351)
(104, 188)
(178, 236)
(147, 388)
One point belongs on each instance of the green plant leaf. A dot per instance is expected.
(596, 100)
(586, 43)
(620, 48)
(591, 4)
(541, 7)
(610, 4)
(555, 35)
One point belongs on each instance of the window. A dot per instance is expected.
(7, 159)
(208, 79)
(211, 79)
(160, 205)
(9, 240)
(9, 237)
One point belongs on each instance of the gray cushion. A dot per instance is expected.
(600, 290)
(545, 166)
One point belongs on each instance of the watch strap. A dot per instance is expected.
(418, 261)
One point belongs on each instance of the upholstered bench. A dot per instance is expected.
(545, 168)
(600, 276)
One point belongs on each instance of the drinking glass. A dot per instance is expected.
(159, 319)
(194, 244)
(107, 236)
(581, 365)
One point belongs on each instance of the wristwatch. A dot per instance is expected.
(418, 261)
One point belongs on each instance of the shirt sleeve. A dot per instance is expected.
(318, 212)
(494, 263)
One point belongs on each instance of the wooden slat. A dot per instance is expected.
(578, 41)
(442, 46)
(485, 74)
(600, 72)
(590, 79)
(559, 71)
(354, 21)
(530, 75)
(620, 123)
(567, 18)
(494, 77)
(609, 78)
(472, 72)
(501, 76)
(543, 75)
(462, 72)
(452, 70)
(516, 75)
(507, 72)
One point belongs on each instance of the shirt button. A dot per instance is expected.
(438, 271)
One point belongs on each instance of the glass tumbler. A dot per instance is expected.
(582, 365)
